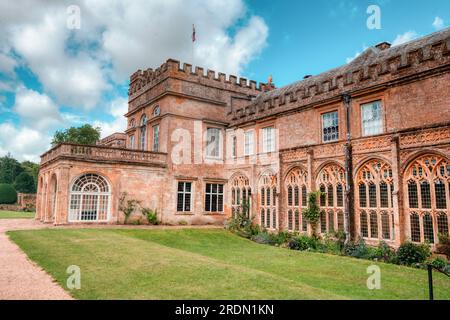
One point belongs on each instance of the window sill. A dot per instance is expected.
(213, 213)
(180, 213)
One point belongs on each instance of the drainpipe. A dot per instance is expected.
(349, 221)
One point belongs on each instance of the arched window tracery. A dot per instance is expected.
(374, 200)
(428, 197)
(295, 184)
(268, 200)
(331, 184)
(240, 195)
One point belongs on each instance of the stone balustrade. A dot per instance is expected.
(102, 154)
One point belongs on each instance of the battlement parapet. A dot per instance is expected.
(142, 80)
(374, 67)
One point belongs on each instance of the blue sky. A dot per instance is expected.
(53, 76)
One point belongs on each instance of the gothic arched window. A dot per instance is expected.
(331, 182)
(267, 185)
(295, 184)
(375, 187)
(241, 194)
(428, 195)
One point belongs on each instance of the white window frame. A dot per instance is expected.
(323, 115)
(184, 193)
(217, 143)
(365, 130)
(155, 146)
(249, 145)
(268, 134)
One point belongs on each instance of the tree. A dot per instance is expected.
(24, 183)
(312, 212)
(32, 169)
(86, 134)
(10, 168)
(7, 194)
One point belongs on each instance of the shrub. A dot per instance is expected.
(439, 263)
(183, 223)
(444, 245)
(280, 237)
(384, 253)
(410, 253)
(263, 238)
(329, 245)
(8, 194)
(312, 212)
(127, 206)
(24, 183)
(357, 249)
(303, 242)
(29, 207)
(150, 215)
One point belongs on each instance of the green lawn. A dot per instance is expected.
(209, 264)
(16, 215)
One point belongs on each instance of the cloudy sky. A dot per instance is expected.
(55, 75)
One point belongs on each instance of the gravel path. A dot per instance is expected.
(20, 278)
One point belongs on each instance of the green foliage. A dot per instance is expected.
(410, 253)
(8, 194)
(10, 168)
(384, 253)
(127, 206)
(24, 183)
(32, 169)
(439, 263)
(242, 222)
(444, 245)
(312, 212)
(150, 215)
(303, 242)
(357, 249)
(182, 223)
(85, 134)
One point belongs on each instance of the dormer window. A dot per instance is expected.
(156, 111)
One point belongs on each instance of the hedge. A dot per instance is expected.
(8, 194)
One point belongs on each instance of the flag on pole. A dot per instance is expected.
(193, 33)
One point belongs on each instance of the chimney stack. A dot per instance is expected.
(383, 45)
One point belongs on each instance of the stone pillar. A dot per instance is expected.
(397, 195)
(62, 196)
(310, 183)
(349, 214)
(39, 199)
(281, 204)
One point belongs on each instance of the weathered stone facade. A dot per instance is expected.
(372, 135)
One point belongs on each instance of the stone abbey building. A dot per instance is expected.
(372, 135)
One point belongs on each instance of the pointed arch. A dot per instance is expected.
(295, 184)
(427, 196)
(241, 192)
(375, 188)
(330, 181)
(267, 184)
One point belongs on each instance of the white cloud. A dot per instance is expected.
(7, 63)
(405, 37)
(117, 108)
(438, 23)
(78, 68)
(22, 142)
(36, 110)
(75, 80)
